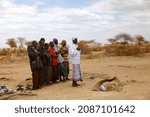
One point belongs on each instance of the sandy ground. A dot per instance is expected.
(134, 72)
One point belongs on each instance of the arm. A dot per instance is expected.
(32, 54)
(73, 52)
(54, 56)
(64, 51)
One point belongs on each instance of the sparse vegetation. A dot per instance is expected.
(5, 52)
(28, 43)
(84, 47)
(21, 41)
(119, 50)
(12, 43)
(13, 51)
(123, 38)
(125, 45)
(122, 44)
(88, 46)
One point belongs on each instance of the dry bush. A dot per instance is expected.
(139, 39)
(98, 48)
(84, 47)
(21, 41)
(12, 43)
(119, 50)
(28, 43)
(145, 48)
(13, 51)
(5, 52)
(21, 52)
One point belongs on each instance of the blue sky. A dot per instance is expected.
(64, 19)
(62, 3)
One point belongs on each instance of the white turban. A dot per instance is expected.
(74, 38)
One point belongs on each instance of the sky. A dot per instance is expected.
(65, 19)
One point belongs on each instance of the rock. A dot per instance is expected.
(103, 88)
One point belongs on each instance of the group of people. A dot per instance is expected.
(49, 62)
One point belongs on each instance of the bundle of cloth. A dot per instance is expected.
(5, 90)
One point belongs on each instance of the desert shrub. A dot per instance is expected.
(139, 39)
(21, 52)
(5, 52)
(120, 50)
(21, 41)
(12, 43)
(98, 48)
(145, 48)
(84, 47)
(13, 51)
(28, 43)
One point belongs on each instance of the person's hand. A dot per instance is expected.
(58, 51)
(78, 49)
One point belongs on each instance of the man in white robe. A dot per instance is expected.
(74, 55)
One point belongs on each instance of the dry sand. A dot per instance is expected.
(133, 72)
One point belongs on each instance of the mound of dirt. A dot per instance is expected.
(112, 84)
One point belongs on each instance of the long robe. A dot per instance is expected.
(74, 55)
(36, 66)
(76, 73)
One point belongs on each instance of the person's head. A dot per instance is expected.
(34, 44)
(51, 44)
(42, 41)
(46, 45)
(63, 43)
(75, 40)
(55, 41)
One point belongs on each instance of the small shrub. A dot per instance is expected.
(5, 52)
(145, 48)
(119, 50)
(98, 48)
(84, 47)
(12, 43)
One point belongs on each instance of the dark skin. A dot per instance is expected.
(46, 46)
(34, 44)
(42, 39)
(63, 45)
(75, 41)
(55, 41)
(41, 43)
(51, 44)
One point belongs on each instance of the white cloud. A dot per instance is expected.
(99, 21)
(131, 15)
